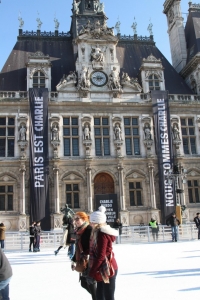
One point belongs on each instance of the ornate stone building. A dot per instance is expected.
(101, 128)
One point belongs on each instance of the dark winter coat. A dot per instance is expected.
(2, 232)
(5, 268)
(118, 225)
(31, 230)
(197, 221)
(173, 221)
(85, 241)
(37, 230)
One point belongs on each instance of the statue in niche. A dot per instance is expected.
(22, 133)
(97, 54)
(76, 7)
(118, 132)
(114, 80)
(55, 133)
(147, 132)
(176, 133)
(84, 80)
(88, 4)
(86, 132)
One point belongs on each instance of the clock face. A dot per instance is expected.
(99, 78)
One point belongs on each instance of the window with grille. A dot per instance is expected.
(7, 136)
(154, 82)
(38, 80)
(72, 195)
(6, 197)
(102, 136)
(135, 193)
(193, 191)
(71, 136)
(132, 139)
(188, 134)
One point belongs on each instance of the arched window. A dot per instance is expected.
(154, 82)
(194, 86)
(38, 80)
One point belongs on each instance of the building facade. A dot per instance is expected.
(101, 128)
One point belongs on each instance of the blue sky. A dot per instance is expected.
(126, 10)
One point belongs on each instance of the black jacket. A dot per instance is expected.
(197, 221)
(85, 241)
(173, 221)
(5, 268)
(37, 230)
(118, 225)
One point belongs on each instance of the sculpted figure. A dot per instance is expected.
(68, 214)
(114, 80)
(55, 135)
(176, 133)
(97, 54)
(117, 27)
(76, 6)
(72, 76)
(125, 77)
(118, 132)
(84, 80)
(39, 23)
(147, 132)
(22, 133)
(56, 24)
(86, 132)
(21, 22)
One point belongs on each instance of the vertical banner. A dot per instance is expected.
(39, 158)
(164, 151)
(110, 202)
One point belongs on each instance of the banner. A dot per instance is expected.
(110, 202)
(39, 158)
(164, 151)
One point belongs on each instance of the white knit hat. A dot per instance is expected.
(99, 216)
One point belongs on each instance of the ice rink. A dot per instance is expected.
(146, 271)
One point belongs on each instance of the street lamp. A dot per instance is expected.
(178, 175)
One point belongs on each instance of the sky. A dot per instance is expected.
(144, 11)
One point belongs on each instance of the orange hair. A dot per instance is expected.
(82, 215)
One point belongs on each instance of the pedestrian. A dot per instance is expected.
(154, 229)
(174, 223)
(5, 276)
(118, 225)
(31, 231)
(37, 233)
(197, 222)
(2, 235)
(102, 264)
(83, 233)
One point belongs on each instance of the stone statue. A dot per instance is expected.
(118, 132)
(101, 7)
(117, 26)
(55, 133)
(72, 76)
(114, 80)
(130, 82)
(97, 54)
(22, 133)
(67, 81)
(76, 7)
(134, 26)
(176, 133)
(147, 132)
(56, 23)
(84, 80)
(39, 23)
(86, 132)
(149, 28)
(68, 214)
(21, 22)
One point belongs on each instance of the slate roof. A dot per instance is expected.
(192, 34)
(129, 53)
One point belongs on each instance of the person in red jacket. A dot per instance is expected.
(101, 250)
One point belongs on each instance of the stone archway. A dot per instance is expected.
(103, 184)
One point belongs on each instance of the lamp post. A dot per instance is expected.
(178, 176)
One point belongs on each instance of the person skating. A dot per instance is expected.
(31, 231)
(5, 276)
(37, 233)
(154, 228)
(197, 222)
(174, 223)
(2, 235)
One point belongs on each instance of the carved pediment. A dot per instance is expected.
(135, 175)
(7, 178)
(72, 177)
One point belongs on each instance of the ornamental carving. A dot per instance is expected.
(130, 82)
(96, 30)
(114, 80)
(84, 80)
(153, 72)
(67, 82)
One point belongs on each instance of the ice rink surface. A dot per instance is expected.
(146, 271)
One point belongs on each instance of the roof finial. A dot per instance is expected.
(21, 22)
(134, 26)
(117, 26)
(149, 28)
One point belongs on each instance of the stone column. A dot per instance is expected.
(89, 189)
(23, 203)
(121, 187)
(56, 191)
(152, 186)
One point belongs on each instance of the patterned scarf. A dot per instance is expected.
(79, 232)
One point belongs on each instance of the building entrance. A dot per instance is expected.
(103, 184)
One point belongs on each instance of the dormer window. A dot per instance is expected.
(154, 82)
(38, 80)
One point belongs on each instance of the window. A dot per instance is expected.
(132, 139)
(135, 193)
(38, 80)
(6, 197)
(72, 195)
(154, 82)
(102, 138)
(71, 136)
(7, 136)
(188, 133)
(193, 191)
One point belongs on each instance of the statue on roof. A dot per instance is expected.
(39, 23)
(56, 23)
(134, 26)
(149, 28)
(76, 6)
(117, 26)
(21, 22)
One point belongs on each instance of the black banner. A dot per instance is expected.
(164, 151)
(39, 157)
(110, 202)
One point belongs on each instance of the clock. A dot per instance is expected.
(98, 78)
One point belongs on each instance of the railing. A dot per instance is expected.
(143, 234)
